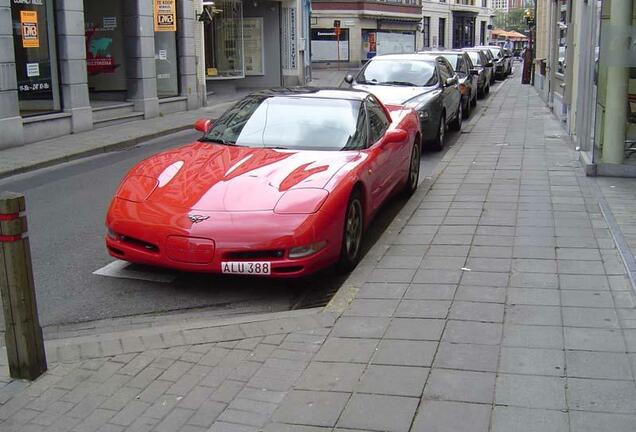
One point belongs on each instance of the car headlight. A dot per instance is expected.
(306, 250)
(301, 201)
(112, 234)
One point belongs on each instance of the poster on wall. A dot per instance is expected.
(254, 54)
(165, 15)
(289, 36)
(395, 43)
(29, 25)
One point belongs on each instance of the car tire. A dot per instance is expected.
(467, 107)
(413, 175)
(352, 234)
(439, 141)
(456, 124)
(487, 91)
(473, 102)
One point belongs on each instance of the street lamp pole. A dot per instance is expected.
(528, 57)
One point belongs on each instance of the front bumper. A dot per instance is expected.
(148, 235)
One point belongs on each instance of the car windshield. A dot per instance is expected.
(418, 73)
(496, 52)
(456, 60)
(284, 122)
(475, 57)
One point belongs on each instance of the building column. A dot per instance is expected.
(10, 119)
(617, 85)
(187, 57)
(141, 72)
(72, 61)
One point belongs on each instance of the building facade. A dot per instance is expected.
(456, 23)
(68, 66)
(585, 62)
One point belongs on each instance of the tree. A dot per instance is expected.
(511, 20)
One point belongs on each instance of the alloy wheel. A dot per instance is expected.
(353, 229)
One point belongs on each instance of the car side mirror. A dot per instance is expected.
(451, 81)
(203, 125)
(349, 79)
(395, 136)
(474, 72)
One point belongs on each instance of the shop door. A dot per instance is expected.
(105, 53)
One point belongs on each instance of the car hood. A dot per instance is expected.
(395, 94)
(212, 177)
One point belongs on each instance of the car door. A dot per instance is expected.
(382, 155)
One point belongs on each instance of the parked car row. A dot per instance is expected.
(441, 85)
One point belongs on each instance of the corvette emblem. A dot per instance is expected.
(198, 218)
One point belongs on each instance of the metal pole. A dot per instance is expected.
(23, 334)
(338, 45)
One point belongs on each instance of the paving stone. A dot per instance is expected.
(533, 296)
(360, 327)
(490, 240)
(448, 250)
(381, 291)
(341, 377)
(578, 254)
(536, 252)
(491, 251)
(405, 353)
(534, 280)
(593, 339)
(533, 336)
(311, 408)
(372, 307)
(582, 421)
(489, 264)
(232, 427)
(506, 419)
(437, 276)
(581, 267)
(415, 329)
(472, 311)
(280, 427)
(472, 332)
(442, 263)
(462, 386)
(445, 416)
(379, 412)
(243, 417)
(467, 357)
(430, 292)
(95, 420)
(530, 391)
(602, 365)
(347, 350)
(423, 309)
(253, 406)
(602, 395)
(532, 361)
(491, 279)
(400, 262)
(391, 275)
(481, 294)
(393, 380)
(527, 265)
(583, 282)
(533, 315)
(133, 410)
(587, 298)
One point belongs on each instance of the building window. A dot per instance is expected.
(326, 46)
(166, 56)
(426, 31)
(482, 32)
(442, 32)
(484, 3)
(224, 40)
(562, 29)
(35, 57)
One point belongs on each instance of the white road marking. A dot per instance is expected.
(125, 270)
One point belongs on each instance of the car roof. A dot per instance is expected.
(414, 56)
(315, 92)
(488, 46)
(445, 52)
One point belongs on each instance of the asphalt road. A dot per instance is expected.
(66, 205)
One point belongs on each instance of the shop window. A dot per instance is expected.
(166, 56)
(35, 57)
(426, 31)
(562, 29)
(327, 46)
(224, 39)
(375, 42)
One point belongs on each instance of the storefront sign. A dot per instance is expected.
(30, 34)
(165, 15)
(253, 46)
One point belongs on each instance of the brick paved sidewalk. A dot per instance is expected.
(496, 301)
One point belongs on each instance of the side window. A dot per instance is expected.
(443, 70)
(461, 65)
(378, 123)
(359, 140)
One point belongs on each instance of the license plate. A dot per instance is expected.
(246, 268)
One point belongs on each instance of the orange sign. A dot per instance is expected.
(30, 34)
(165, 15)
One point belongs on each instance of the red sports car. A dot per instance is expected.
(282, 184)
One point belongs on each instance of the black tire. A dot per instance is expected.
(481, 92)
(413, 176)
(439, 141)
(467, 108)
(473, 102)
(456, 124)
(352, 234)
(488, 89)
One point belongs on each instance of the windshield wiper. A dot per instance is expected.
(218, 141)
(400, 83)
(372, 82)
